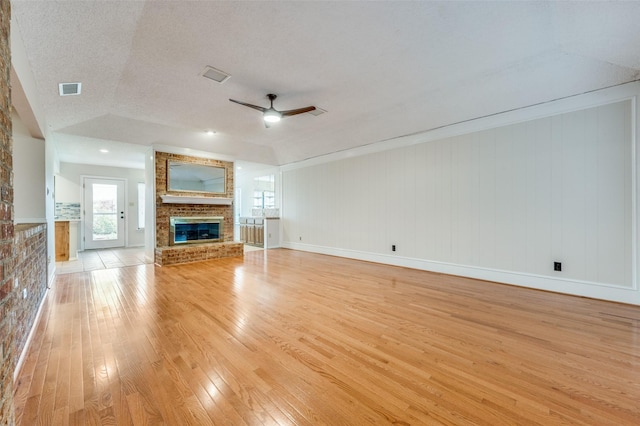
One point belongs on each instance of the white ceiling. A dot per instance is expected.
(381, 69)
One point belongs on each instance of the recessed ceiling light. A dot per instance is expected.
(104, 151)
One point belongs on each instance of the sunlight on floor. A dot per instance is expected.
(92, 260)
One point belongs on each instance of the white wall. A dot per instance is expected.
(150, 200)
(244, 179)
(22, 75)
(51, 163)
(69, 189)
(500, 204)
(29, 190)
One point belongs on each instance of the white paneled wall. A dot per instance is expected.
(501, 204)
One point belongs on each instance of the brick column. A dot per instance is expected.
(7, 313)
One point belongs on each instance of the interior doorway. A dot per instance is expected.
(104, 213)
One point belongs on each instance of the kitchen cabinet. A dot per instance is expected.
(247, 231)
(62, 241)
(260, 231)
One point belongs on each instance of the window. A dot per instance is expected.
(264, 192)
(141, 205)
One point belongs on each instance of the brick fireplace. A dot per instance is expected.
(203, 205)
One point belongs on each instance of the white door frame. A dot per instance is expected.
(125, 227)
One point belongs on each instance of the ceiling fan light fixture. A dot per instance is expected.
(272, 116)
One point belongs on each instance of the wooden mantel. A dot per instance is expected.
(186, 199)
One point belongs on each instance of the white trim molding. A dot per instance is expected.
(186, 199)
(627, 91)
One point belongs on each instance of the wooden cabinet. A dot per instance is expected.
(248, 234)
(243, 232)
(247, 230)
(62, 241)
(260, 232)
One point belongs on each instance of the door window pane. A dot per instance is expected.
(105, 214)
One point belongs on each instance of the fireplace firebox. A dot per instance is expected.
(192, 230)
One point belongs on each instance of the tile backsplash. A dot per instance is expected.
(265, 212)
(67, 211)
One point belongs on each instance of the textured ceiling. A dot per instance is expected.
(381, 69)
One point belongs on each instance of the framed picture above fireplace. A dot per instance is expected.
(189, 177)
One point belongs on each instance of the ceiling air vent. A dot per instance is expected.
(68, 89)
(215, 75)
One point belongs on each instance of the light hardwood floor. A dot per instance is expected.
(287, 337)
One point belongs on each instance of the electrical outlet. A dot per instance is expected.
(300, 238)
(393, 247)
(557, 266)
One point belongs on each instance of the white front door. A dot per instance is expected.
(103, 213)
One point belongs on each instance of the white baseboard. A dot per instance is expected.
(52, 275)
(25, 349)
(593, 290)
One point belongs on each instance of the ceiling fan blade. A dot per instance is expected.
(259, 108)
(297, 111)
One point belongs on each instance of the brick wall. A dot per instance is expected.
(165, 211)
(197, 252)
(167, 255)
(30, 274)
(7, 312)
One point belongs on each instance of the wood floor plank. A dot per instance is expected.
(282, 337)
(120, 406)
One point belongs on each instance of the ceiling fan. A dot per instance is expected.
(271, 115)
